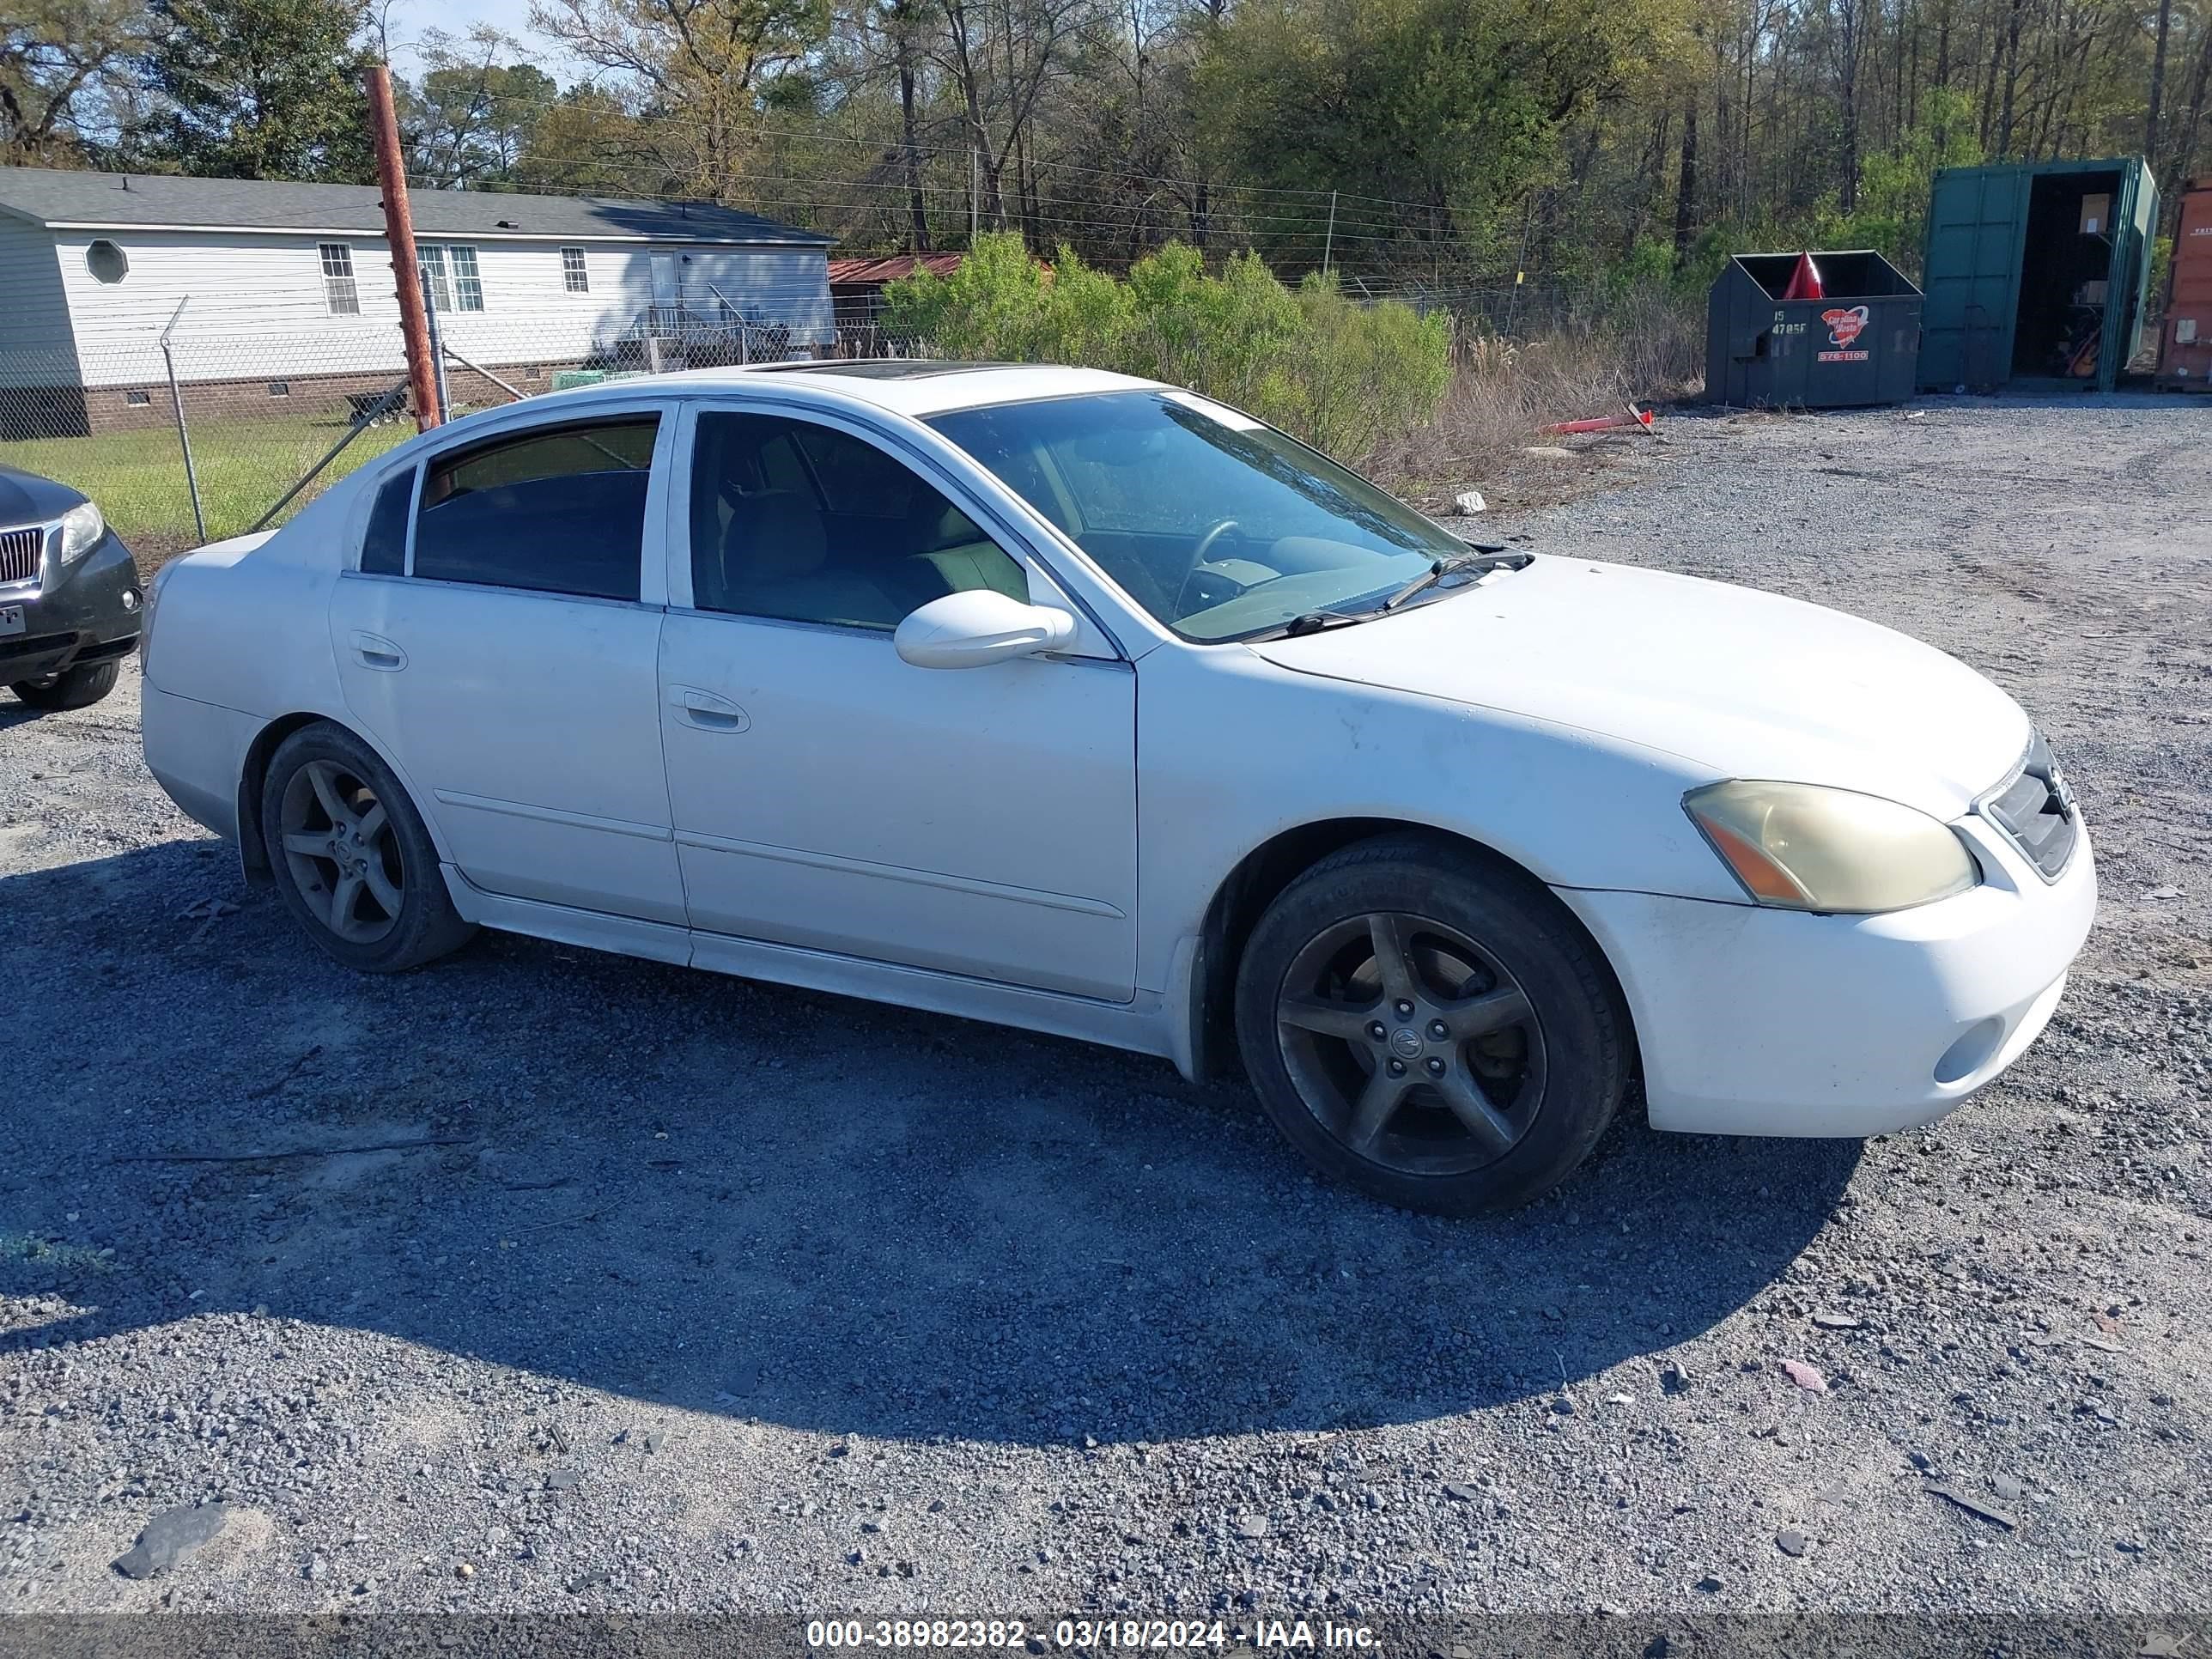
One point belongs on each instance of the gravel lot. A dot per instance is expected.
(660, 1290)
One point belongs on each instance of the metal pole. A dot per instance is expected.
(974, 195)
(422, 360)
(1328, 244)
(177, 405)
(482, 372)
(369, 416)
(437, 355)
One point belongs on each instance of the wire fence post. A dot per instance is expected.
(177, 407)
(437, 353)
(1328, 242)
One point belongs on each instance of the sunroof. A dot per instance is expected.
(888, 368)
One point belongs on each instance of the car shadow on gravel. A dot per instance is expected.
(772, 1204)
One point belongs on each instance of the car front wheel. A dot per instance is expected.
(73, 688)
(1428, 1026)
(351, 856)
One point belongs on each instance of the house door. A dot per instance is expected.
(667, 290)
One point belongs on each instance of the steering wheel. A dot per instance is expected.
(1215, 532)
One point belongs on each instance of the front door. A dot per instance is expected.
(827, 794)
(510, 668)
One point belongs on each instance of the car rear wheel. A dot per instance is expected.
(351, 856)
(1429, 1026)
(73, 688)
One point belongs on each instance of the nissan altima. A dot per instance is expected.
(1071, 702)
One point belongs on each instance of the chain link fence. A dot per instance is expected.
(188, 436)
(189, 433)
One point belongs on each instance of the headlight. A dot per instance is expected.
(1800, 846)
(82, 529)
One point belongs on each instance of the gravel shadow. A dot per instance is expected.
(781, 1207)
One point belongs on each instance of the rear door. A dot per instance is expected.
(1976, 218)
(508, 664)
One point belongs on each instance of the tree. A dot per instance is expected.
(1446, 109)
(260, 88)
(53, 54)
(696, 69)
(471, 118)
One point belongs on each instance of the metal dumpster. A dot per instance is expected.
(1857, 345)
(2036, 274)
(2185, 346)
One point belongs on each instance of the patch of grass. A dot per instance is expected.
(138, 477)
(1640, 348)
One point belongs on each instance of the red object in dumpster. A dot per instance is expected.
(1805, 281)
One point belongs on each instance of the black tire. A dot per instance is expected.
(383, 878)
(73, 688)
(1485, 1112)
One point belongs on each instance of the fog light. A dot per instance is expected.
(130, 598)
(1972, 1051)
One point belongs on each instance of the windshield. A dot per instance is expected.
(1217, 524)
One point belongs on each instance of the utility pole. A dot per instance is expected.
(422, 365)
(975, 195)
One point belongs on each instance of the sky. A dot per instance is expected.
(411, 18)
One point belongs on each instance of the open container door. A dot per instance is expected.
(1977, 220)
(2134, 220)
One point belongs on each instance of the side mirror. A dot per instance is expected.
(979, 627)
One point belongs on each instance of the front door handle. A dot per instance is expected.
(374, 650)
(706, 710)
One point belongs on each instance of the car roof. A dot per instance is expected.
(911, 386)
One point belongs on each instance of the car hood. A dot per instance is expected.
(27, 498)
(1742, 684)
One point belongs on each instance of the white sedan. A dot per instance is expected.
(1067, 700)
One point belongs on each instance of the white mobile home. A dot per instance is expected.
(288, 299)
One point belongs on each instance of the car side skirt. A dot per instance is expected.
(1141, 1026)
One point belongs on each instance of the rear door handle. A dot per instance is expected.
(374, 650)
(706, 710)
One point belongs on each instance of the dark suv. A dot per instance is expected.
(69, 594)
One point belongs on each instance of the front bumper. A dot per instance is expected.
(85, 614)
(1765, 1022)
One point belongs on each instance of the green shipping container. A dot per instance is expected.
(2036, 274)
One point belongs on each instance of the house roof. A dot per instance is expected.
(115, 201)
(891, 268)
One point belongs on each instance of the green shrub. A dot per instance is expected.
(1337, 373)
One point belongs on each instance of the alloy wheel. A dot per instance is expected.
(341, 851)
(1411, 1043)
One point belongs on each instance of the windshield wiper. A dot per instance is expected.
(1486, 557)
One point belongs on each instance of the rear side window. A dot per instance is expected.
(559, 511)
(384, 549)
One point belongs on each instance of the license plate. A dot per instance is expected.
(11, 618)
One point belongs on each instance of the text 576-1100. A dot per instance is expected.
(916, 1633)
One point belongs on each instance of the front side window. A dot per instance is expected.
(1217, 524)
(558, 510)
(574, 277)
(341, 293)
(450, 277)
(805, 523)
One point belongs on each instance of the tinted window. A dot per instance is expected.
(805, 523)
(562, 510)
(384, 549)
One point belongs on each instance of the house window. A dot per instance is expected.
(341, 294)
(450, 275)
(574, 277)
(106, 262)
(279, 388)
(137, 399)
